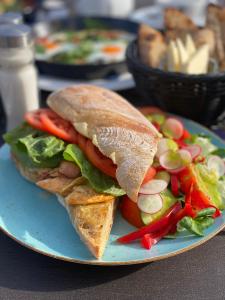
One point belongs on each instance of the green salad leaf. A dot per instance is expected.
(196, 225)
(34, 148)
(99, 181)
(220, 152)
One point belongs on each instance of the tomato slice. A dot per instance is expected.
(149, 175)
(100, 161)
(33, 118)
(57, 126)
(81, 140)
(131, 212)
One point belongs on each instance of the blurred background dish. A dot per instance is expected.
(87, 48)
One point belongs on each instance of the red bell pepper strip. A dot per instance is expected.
(151, 239)
(147, 241)
(174, 185)
(180, 143)
(186, 211)
(200, 201)
(186, 135)
(153, 227)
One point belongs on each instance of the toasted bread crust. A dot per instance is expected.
(214, 22)
(175, 19)
(151, 45)
(93, 222)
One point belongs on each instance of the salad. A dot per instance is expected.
(184, 190)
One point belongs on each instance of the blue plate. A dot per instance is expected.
(36, 220)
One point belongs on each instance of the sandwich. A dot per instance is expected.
(88, 148)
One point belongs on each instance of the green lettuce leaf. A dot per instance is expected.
(220, 152)
(34, 148)
(100, 182)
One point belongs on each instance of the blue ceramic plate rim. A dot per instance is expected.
(194, 128)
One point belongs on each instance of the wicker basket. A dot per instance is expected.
(199, 97)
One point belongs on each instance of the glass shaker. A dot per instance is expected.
(18, 75)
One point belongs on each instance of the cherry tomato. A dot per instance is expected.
(57, 126)
(101, 162)
(131, 212)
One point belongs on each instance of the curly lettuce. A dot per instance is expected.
(35, 148)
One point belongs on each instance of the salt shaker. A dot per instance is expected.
(18, 75)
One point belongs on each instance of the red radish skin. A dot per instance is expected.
(173, 128)
(177, 171)
(195, 150)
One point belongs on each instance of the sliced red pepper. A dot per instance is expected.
(186, 135)
(187, 210)
(199, 201)
(181, 143)
(153, 238)
(147, 241)
(174, 185)
(153, 227)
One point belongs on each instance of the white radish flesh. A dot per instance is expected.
(195, 150)
(173, 128)
(170, 160)
(153, 186)
(164, 145)
(185, 157)
(150, 204)
(163, 175)
(217, 164)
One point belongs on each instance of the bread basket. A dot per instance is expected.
(198, 97)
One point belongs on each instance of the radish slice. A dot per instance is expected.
(195, 150)
(163, 175)
(154, 186)
(185, 157)
(177, 171)
(217, 164)
(164, 145)
(173, 128)
(170, 160)
(150, 204)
